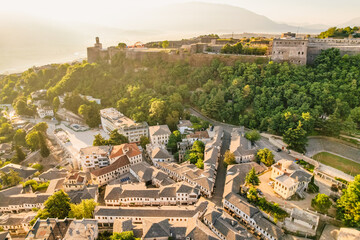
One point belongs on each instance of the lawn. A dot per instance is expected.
(343, 164)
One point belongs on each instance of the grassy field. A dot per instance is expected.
(343, 164)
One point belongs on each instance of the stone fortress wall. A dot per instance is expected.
(304, 51)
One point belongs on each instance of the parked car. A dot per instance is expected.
(259, 192)
(278, 150)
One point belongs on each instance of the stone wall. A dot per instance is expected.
(291, 50)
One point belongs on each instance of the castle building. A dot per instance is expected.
(96, 52)
(299, 51)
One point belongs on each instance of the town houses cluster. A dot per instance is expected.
(156, 195)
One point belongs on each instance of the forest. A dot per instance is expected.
(335, 32)
(280, 98)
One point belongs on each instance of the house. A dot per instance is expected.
(184, 126)
(143, 172)
(236, 174)
(16, 224)
(53, 173)
(131, 150)
(306, 222)
(250, 215)
(94, 157)
(225, 226)
(160, 154)
(107, 215)
(38, 94)
(69, 116)
(241, 147)
(91, 99)
(15, 203)
(68, 228)
(289, 179)
(45, 111)
(159, 135)
(111, 119)
(198, 135)
(5, 148)
(74, 182)
(139, 195)
(106, 174)
(24, 172)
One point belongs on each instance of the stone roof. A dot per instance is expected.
(53, 173)
(242, 204)
(16, 219)
(24, 172)
(348, 234)
(5, 147)
(239, 145)
(21, 199)
(159, 130)
(160, 153)
(184, 123)
(269, 227)
(87, 193)
(198, 135)
(304, 216)
(301, 175)
(5, 236)
(120, 162)
(165, 212)
(153, 228)
(122, 225)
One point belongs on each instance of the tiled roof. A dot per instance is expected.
(121, 162)
(241, 204)
(130, 149)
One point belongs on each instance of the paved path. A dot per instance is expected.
(221, 172)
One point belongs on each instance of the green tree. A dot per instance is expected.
(253, 136)
(165, 44)
(321, 203)
(252, 178)
(33, 140)
(38, 166)
(157, 111)
(19, 137)
(19, 155)
(144, 141)
(296, 138)
(122, 45)
(116, 138)
(99, 140)
(198, 146)
(348, 207)
(82, 210)
(41, 127)
(252, 195)
(174, 138)
(128, 235)
(229, 158)
(200, 163)
(56, 206)
(10, 178)
(265, 156)
(56, 104)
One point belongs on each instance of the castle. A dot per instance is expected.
(96, 52)
(304, 51)
(287, 48)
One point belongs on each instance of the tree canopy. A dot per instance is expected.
(252, 178)
(265, 156)
(321, 203)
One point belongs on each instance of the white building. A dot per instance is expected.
(184, 126)
(139, 195)
(289, 179)
(94, 157)
(159, 134)
(45, 111)
(112, 119)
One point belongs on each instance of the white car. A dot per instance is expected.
(271, 183)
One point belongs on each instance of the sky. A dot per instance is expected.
(103, 12)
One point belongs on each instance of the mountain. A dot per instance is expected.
(353, 22)
(217, 18)
(27, 41)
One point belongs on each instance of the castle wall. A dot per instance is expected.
(290, 50)
(346, 46)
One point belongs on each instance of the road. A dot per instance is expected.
(221, 172)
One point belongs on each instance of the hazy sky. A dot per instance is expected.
(104, 12)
